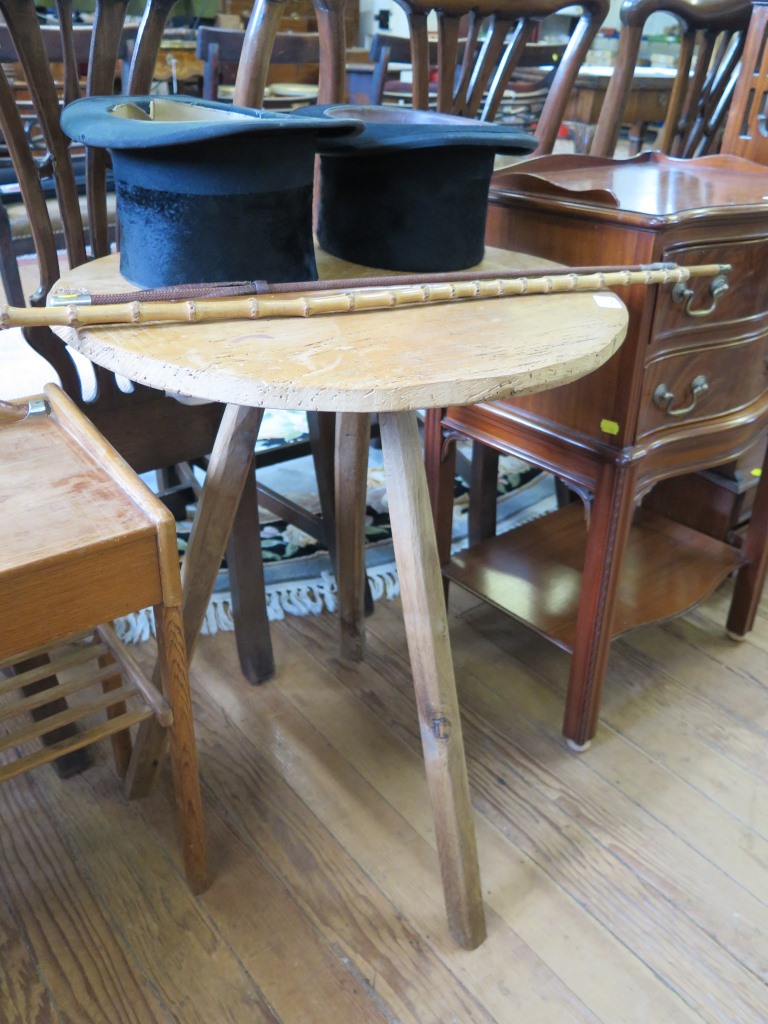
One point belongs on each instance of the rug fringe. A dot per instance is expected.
(310, 597)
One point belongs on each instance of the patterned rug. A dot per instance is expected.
(298, 574)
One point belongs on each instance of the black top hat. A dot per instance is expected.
(410, 192)
(207, 191)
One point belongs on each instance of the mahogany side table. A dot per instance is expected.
(687, 391)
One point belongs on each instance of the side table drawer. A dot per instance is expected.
(745, 300)
(702, 383)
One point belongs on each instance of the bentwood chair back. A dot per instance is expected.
(259, 45)
(471, 80)
(84, 541)
(712, 42)
(523, 99)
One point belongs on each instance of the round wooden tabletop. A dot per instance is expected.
(424, 356)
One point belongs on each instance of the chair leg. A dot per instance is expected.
(146, 758)
(352, 441)
(229, 469)
(246, 580)
(750, 579)
(172, 660)
(322, 436)
(483, 487)
(609, 526)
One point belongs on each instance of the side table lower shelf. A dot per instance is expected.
(534, 572)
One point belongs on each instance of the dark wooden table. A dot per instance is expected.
(647, 102)
(686, 392)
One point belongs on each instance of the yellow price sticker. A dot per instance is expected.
(609, 427)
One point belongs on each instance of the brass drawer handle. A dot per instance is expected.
(664, 398)
(681, 293)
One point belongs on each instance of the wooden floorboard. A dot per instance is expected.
(508, 792)
(623, 885)
(82, 961)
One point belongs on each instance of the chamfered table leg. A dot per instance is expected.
(433, 679)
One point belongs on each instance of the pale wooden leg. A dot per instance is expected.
(172, 660)
(246, 581)
(429, 648)
(228, 468)
(148, 750)
(353, 435)
(229, 465)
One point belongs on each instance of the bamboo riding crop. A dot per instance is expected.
(344, 296)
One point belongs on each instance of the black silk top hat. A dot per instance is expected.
(410, 192)
(207, 191)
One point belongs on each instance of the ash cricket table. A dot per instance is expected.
(391, 362)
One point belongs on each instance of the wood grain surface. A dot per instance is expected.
(392, 360)
(622, 885)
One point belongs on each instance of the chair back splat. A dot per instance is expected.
(261, 47)
(473, 75)
(711, 46)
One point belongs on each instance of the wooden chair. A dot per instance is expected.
(475, 86)
(260, 36)
(711, 46)
(387, 49)
(15, 230)
(152, 431)
(524, 95)
(84, 541)
(720, 501)
(745, 133)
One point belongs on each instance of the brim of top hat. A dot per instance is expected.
(390, 128)
(148, 122)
